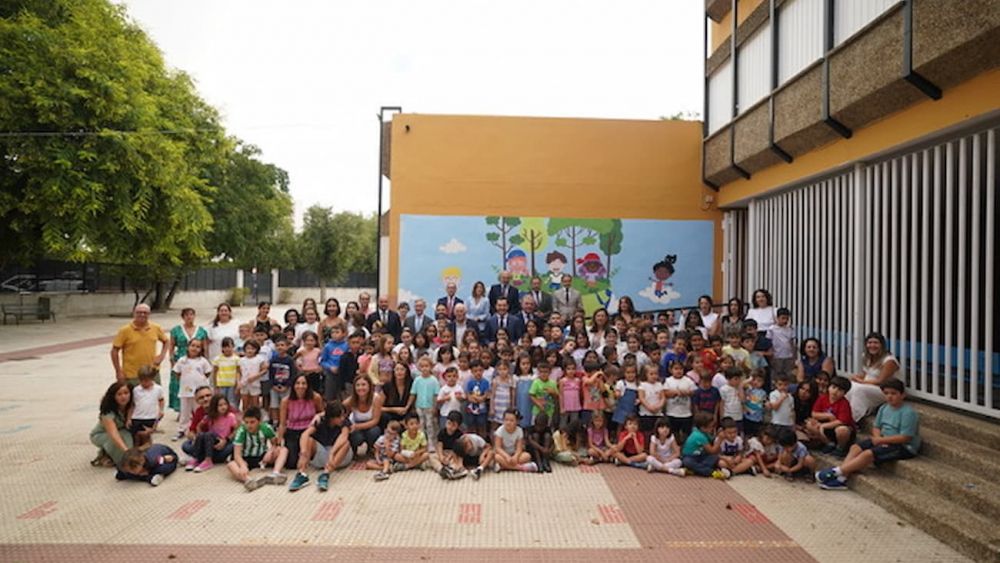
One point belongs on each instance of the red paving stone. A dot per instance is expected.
(40, 511)
(696, 513)
(188, 510)
(29, 353)
(611, 514)
(60, 553)
(328, 511)
(470, 513)
(589, 469)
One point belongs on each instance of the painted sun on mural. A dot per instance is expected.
(658, 263)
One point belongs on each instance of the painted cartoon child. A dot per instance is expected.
(662, 271)
(556, 261)
(591, 269)
(517, 265)
(451, 274)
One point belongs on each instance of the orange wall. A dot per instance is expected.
(963, 102)
(484, 165)
(722, 30)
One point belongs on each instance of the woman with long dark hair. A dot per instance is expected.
(732, 321)
(111, 435)
(295, 414)
(812, 361)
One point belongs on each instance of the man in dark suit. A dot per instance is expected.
(462, 324)
(449, 300)
(504, 290)
(503, 319)
(388, 318)
(419, 320)
(566, 300)
(543, 301)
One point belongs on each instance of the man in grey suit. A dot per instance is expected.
(543, 301)
(418, 321)
(566, 300)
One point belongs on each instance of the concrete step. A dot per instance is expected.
(979, 494)
(965, 530)
(981, 431)
(957, 452)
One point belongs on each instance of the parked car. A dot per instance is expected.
(26, 283)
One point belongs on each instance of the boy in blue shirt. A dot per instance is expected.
(329, 360)
(425, 388)
(895, 436)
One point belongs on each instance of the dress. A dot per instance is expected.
(100, 437)
(181, 342)
(866, 397)
(478, 312)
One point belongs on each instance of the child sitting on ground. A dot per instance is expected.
(151, 465)
(631, 447)
(700, 454)
(664, 454)
(325, 445)
(213, 443)
(598, 441)
(540, 442)
(386, 451)
(413, 445)
(895, 436)
(508, 446)
(832, 424)
(566, 444)
(256, 445)
(764, 450)
(731, 449)
(445, 462)
(794, 459)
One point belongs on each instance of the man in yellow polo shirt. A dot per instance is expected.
(136, 342)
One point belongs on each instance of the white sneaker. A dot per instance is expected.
(496, 467)
(155, 480)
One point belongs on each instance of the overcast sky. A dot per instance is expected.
(304, 80)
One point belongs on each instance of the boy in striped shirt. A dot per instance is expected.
(256, 445)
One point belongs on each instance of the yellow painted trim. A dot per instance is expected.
(968, 100)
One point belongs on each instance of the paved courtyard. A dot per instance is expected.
(55, 506)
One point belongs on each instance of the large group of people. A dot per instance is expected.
(502, 380)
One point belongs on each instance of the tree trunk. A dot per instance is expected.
(169, 301)
(157, 296)
(322, 291)
(146, 295)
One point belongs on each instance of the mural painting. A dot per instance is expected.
(659, 263)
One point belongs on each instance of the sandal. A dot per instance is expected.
(102, 460)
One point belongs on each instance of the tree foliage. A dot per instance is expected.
(332, 245)
(108, 155)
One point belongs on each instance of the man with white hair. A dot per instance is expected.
(419, 320)
(135, 346)
(462, 323)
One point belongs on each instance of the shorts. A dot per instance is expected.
(252, 389)
(323, 454)
(886, 452)
(831, 434)
(139, 424)
(475, 420)
(253, 462)
(277, 396)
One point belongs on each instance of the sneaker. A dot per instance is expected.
(275, 478)
(530, 467)
(754, 471)
(825, 475)
(398, 466)
(323, 482)
(650, 468)
(381, 476)
(176, 436)
(190, 465)
(617, 462)
(255, 483)
(204, 466)
(477, 473)
(299, 481)
(678, 472)
(445, 472)
(721, 474)
(155, 480)
(834, 484)
(458, 474)
(496, 467)
(424, 466)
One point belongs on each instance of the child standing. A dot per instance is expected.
(425, 388)
(251, 368)
(732, 395)
(256, 445)
(281, 372)
(783, 344)
(570, 390)
(193, 371)
(651, 400)
(503, 391)
(706, 398)
(678, 390)
(147, 410)
(544, 393)
(593, 389)
(781, 403)
(631, 447)
(664, 454)
(307, 360)
(224, 371)
(477, 392)
(754, 399)
(450, 396)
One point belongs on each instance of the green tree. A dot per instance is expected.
(576, 233)
(610, 241)
(504, 237)
(535, 238)
(331, 245)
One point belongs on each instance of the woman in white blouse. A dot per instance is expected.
(762, 310)
(222, 326)
(877, 367)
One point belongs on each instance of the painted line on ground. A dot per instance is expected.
(589, 469)
(188, 510)
(16, 429)
(751, 513)
(328, 511)
(358, 466)
(611, 514)
(40, 511)
(32, 353)
(470, 513)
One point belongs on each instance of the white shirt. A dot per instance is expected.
(194, 373)
(679, 406)
(732, 406)
(147, 402)
(764, 317)
(652, 392)
(301, 329)
(454, 396)
(709, 320)
(782, 338)
(217, 333)
(784, 414)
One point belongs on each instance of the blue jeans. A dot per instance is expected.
(702, 464)
(203, 445)
(366, 436)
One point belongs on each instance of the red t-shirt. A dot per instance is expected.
(708, 359)
(632, 447)
(841, 409)
(199, 413)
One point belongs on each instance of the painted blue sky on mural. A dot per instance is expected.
(435, 249)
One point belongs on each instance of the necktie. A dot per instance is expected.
(417, 322)
(538, 298)
(567, 295)
(503, 321)
(450, 304)
(384, 316)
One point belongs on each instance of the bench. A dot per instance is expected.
(41, 310)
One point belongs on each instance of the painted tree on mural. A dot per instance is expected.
(577, 233)
(536, 238)
(610, 242)
(503, 238)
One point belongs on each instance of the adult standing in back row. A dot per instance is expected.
(135, 346)
(505, 290)
(567, 301)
